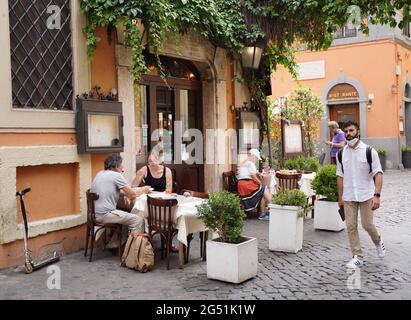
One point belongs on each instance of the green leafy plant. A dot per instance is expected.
(325, 183)
(222, 213)
(406, 149)
(381, 152)
(302, 164)
(292, 197)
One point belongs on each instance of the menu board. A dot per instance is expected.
(292, 138)
(103, 130)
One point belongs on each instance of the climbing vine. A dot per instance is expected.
(231, 24)
(219, 21)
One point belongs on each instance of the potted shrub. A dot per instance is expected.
(326, 207)
(286, 221)
(406, 156)
(303, 164)
(231, 257)
(382, 154)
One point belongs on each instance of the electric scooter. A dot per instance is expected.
(31, 265)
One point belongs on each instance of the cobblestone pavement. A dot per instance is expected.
(316, 272)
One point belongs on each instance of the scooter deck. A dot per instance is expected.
(48, 259)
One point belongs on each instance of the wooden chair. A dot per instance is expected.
(92, 223)
(288, 181)
(203, 235)
(230, 182)
(161, 221)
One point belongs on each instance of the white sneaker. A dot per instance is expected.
(380, 249)
(354, 263)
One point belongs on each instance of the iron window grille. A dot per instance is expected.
(345, 32)
(41, 57)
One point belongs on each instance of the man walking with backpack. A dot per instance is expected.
(359, 180)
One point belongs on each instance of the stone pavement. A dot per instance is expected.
(316, 272)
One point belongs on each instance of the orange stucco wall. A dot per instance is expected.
(55, 190)
(372, 64)
(36, 139)
(103, 68)
(97, 163)
(63, 241)
(56, 187)
(404, 61)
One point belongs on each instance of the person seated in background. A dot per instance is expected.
(108, 184)
(250, 187)
(154, 174)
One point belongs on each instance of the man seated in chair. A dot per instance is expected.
(108, 184)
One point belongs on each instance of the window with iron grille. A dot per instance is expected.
(41, 54)
(345, 32)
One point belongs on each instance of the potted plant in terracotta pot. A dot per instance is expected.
(231, 257)
(326, 207)
(406, 156)
(382, 154)
(286, 221)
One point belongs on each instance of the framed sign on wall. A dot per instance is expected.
(99, 126)
(293, 138)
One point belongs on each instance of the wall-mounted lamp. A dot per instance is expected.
(251, 57)
(370, 99)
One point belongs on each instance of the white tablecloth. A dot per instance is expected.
(186, 214)
(305, 183)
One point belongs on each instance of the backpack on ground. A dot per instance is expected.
(138, 253)
(367, 153)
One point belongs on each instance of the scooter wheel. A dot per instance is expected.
(29, 267)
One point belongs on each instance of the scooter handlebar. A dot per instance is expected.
(23, 192)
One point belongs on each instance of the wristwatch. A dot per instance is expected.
(377, 194)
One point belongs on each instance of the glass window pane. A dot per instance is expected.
(188, 118)
(103, 130)
(165, 118)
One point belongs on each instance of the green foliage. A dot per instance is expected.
(232, 24)
(222, 213)
(302, 164)
(325, 183)
(381, 152)
(292, 197)
(219, 21)
(406, 149)
(302, 104)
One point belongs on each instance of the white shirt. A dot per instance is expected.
(358, 183)
(247, 168)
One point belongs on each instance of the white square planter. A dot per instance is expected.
(327, 217)
(286, 229)
(231, 262)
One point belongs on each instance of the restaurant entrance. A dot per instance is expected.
(168, 103)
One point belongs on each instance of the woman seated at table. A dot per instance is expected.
(250, 186)
(154, 174)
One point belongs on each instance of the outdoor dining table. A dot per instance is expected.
(187, 221)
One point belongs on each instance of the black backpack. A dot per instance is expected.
(367, 153)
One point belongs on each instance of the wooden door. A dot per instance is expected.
(345, 112)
